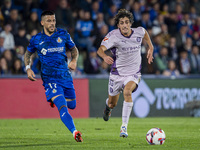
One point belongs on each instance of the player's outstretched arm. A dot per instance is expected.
(150, 50)
(27, 61)
(105, 57)
(73, 63)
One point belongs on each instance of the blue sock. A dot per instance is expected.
(66, 118)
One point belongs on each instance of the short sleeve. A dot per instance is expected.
(141, 31)
(69, 42)
(108, 41)
(31, 47)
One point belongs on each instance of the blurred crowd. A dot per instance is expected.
(173, 25)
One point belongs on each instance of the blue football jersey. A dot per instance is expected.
(51, 51)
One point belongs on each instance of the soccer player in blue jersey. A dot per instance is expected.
(51, 45)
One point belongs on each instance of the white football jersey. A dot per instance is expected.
(126, 51)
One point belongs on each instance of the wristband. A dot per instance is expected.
(28, 67)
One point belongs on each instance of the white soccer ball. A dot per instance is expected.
(155, 136)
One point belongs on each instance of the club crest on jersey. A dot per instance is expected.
(59, 40)
(44, 51)
(54, 91)
(138, 39)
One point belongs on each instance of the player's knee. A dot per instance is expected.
(127, 93)
(60, 102)
(71, 104)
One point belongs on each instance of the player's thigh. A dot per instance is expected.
(70, 97)
(129, 87)
(131, 83)
(52, 91)
(69, 94)
(114, 85)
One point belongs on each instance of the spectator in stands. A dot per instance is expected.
(193, 13)
(157, 24)
(85, 4)
(195, 60)
(5, 9)
(92, 63)
(33, 23)
(102, 33)
(187, 46)
(85, 30)
(3, 66)
(195, 38)
(8, 37)
(164, 35)
(165, 10)
(128, 5)
(179, 12)
(14, 21)
(156, 44)
(20, 38)
(154, 11)
(196, 25)
(112, 11)
(145, 22)
(181, 36)
(184, 63)
(64, 16)
(173, 15)
(185, 21)
(172, 22)
(172, 49)
(95, 10)
(135, 9)
(19, 52)
(28, 6)
(2, 49)
(111, 24)
(100, 20)
(1, 21)
(161, 60)
(8, 55)
(196, 4)
(171, 70)
(17, 67)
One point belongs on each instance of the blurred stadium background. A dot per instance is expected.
(169, 87)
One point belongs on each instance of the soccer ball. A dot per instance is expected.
(155, 136)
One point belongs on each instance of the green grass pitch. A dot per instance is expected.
(51, 134)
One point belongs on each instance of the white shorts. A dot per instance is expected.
(117, 83)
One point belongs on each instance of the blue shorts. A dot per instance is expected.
(53, 89)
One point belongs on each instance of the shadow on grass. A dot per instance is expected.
(24, 143)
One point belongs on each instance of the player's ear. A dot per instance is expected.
(42, 22)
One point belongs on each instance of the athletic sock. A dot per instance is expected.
(66, 118)
(107, 107)
(126, 112)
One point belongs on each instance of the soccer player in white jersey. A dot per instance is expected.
(125, 45)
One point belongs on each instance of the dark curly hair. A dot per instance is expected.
(123, 13)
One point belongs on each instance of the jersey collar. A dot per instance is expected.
(127, 36)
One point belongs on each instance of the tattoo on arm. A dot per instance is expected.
(74, 53)
(27, 58)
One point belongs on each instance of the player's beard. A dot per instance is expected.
(50, 31)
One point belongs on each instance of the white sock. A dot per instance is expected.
(107, 101)
(126, 112)
(74, 133)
